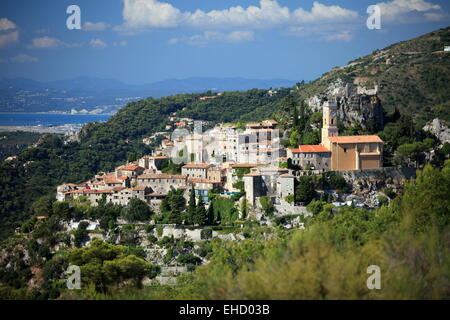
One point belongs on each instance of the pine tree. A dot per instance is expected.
(190, 213)
(200, 213)
(210, 214)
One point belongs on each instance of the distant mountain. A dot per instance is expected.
(198, 84)
(158, 89)
(108, 95)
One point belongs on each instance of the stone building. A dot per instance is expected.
(161, 183)
(349, 152)
(152, 162)
(196, 170)
(316, 157)
(356, 152)
(285, 186)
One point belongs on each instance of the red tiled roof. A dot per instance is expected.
(89, 191)
(160, 176)
(355, 139)
(139, 188)
(131, 168)
(199, 180)
(243, 165)
(197, 166)
(310, 149)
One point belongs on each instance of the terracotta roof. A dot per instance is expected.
(286, 175)
(243, 165)
(139, 188)
(252, 175)
(89, 191)
(113, 181)
(122, 178)
(155, 195)
(160, 176)
(310, 149)
(131, 168)
(199, 180)
(197, 165)
(355, 139)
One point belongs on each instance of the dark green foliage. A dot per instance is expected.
(172, 206)
(16, 141)
(187, 258)
(137, 210)
(81, 234)
(201, 216)
(305, 191)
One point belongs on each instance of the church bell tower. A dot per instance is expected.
(329, 128)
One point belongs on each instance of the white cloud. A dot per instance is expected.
(95, 26)
(215, 36)
(150, 13)
(434, 16)
(8, 33)
(327, 32)
(321, 13)
(239, 36)
(6, 24)
(404, 10)
(23, 58)
(50, 43)
(121, 43)
(156, 14)
(8, 38)
(97, 43)
(340, 36)
(45, 42)
(269, 13)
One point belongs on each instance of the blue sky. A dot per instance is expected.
(142, 41)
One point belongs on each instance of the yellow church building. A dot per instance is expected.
(349, 152)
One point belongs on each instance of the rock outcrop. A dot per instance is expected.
(440, 129)
(356, 105)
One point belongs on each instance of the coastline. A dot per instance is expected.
(42, 129)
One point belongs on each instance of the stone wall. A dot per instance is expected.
(375, 180)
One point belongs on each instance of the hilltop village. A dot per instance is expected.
(227, 160)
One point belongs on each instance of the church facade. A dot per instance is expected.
(346, 152)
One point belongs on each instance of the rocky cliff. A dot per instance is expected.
(357, 105)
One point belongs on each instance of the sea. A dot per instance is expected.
(48, 119)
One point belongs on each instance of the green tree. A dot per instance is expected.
(103, 264)
(201, 216)
(191, 209)
(137, 210)
(305, 192)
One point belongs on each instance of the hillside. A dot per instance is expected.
(107, 95)
(103, 146)
(416, 83)
(413, 76)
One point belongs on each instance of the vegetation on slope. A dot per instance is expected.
(412, 76)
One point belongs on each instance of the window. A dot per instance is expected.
(345, 150)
